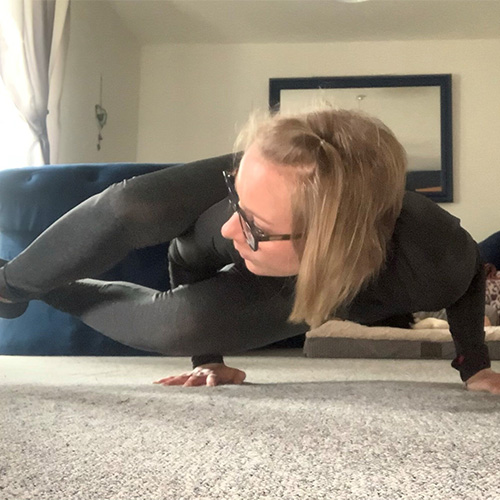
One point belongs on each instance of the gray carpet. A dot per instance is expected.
(324, 440)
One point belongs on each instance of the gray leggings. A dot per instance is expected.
(215, 306)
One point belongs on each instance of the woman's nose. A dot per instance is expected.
(232, 228)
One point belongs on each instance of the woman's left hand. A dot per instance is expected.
(484, 380)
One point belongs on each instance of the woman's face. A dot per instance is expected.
(264, 193)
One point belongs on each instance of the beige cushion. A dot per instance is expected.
(345, 339)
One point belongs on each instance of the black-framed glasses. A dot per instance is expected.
(253, 234)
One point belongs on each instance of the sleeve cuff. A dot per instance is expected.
(470, 363)
(208, 358)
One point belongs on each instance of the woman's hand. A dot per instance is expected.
(484, 380)
(210, 374)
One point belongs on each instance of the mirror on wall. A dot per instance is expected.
(417, 108)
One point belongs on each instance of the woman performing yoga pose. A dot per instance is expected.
(318, 225)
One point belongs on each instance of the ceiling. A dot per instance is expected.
(305, 21)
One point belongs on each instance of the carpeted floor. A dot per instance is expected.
(95, 428)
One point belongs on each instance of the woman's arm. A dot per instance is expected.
(195, 256)
(466, 320)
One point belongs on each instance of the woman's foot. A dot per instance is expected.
(11, 310)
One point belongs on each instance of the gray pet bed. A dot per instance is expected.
(344, 339)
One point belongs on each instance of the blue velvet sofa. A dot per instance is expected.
(31, 199)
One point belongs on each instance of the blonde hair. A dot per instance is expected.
(350, 175)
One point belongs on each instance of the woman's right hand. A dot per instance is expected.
(211, 374)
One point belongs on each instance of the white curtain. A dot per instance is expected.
(34, 37)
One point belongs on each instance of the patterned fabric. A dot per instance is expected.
(493, 291)
(492, 287)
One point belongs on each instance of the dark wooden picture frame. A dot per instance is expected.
(434, 181)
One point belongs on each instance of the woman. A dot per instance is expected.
(320, 227)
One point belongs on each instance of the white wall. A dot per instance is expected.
(99, 44)
(193, 98)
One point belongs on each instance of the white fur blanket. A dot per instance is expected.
(348, 329)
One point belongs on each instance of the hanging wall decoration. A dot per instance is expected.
(101, 116)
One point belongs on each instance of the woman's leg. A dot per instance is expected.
(139, 212)
(218, 306)
(231, 312)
